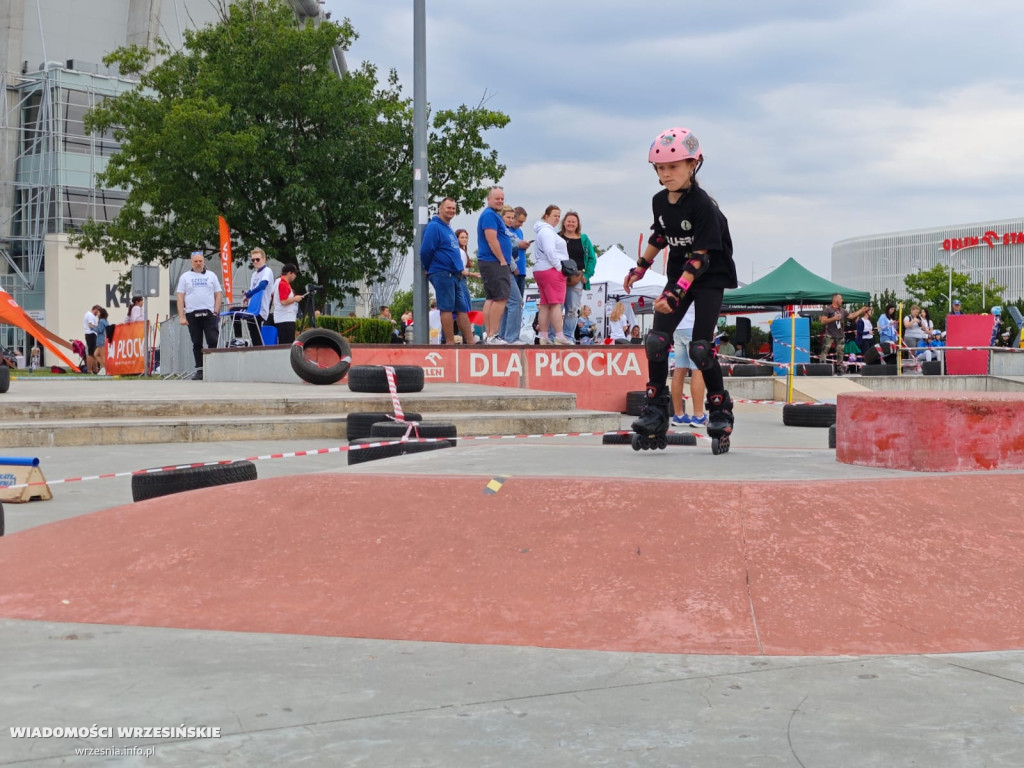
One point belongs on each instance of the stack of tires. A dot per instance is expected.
(374, 427)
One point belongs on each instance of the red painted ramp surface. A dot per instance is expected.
(896, 566)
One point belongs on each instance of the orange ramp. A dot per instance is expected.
(909, 565)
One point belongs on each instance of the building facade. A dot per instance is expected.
(51, 74)
(988, 252)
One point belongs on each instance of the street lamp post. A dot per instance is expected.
(949, 264)
(420, 186)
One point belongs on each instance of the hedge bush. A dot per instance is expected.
(358, 330)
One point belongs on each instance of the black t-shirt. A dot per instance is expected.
(694, 223)
(575, 247)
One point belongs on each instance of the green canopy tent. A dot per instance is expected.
(791, 283)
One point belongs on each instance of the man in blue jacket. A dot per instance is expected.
(442, 264)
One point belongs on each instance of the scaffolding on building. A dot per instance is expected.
(48, 164)
(48, 168)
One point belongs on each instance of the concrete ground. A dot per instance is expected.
(293, 699)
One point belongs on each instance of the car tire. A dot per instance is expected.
(363, 455)
(747, 369)
(321, 356)
(809, 414)
(373, 378)
(357, 425)
(635, 402)
(814, 369)
(626, 438)
(878, 370)
(5, 378)
(152, 484)
(931, 368)
(832, 436)
(871, 356)
(433, 429)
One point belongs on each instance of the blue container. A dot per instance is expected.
(782, 329)
(269, 334)
(19, 461)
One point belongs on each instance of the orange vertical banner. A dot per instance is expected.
(225, 259)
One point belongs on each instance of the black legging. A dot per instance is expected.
(708, 303)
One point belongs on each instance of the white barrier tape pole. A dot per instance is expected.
(389, 371)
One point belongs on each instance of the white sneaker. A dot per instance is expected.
(496, 340)
(562, 340)
(544, 340)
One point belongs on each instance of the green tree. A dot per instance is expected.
(401, 302)
(930, 287)
(601, 249)
(249, 121)
(880, 301)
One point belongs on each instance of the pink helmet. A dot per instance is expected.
(673, 145)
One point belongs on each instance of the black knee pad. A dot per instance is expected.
(702, 353)
(657, 345)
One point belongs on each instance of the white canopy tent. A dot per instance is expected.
(612, 267)
(606, 287)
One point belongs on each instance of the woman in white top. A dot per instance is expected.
(549, 253)
(618, 324)
(914, 331)
(135, 312)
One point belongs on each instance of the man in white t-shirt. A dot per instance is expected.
(681, 344)
(199, 299)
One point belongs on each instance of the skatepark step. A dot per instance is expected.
(313, 426)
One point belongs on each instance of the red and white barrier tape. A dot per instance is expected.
(389, 371)
(343, 449)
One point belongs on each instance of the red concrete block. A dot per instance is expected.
(931, 431)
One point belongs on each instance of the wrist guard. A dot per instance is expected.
(672, 295)
(696, 265)
(637, 272)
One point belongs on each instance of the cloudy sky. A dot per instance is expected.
(819, 120)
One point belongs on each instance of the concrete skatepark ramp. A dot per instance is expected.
(911, 565)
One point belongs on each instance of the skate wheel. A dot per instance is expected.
(660, 442)
(719, 445)
(636, 442)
